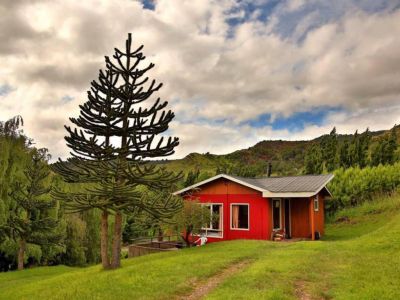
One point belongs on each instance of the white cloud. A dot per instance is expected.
(215, 78)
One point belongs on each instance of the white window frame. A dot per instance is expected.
(248, 217)
(316, 201)
(206, 229)
(280, 214)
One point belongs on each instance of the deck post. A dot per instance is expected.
(312, 224)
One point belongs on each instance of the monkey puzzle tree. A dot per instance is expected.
(117, 132)
(31, 219)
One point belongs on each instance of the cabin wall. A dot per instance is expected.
(319, 216)
(300, 217)
(301, 214)
(227, 193)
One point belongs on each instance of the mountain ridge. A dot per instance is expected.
(286, 157)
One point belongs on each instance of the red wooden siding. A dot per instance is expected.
(227, 193)
(319, 215)
(300, 218)
(223, 186)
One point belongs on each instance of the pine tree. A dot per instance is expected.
(313, 160)
(385, 150)
(329, 145)
(116, 134)
(343, 155)
(363, 147)
(354, 149)
(31, 220)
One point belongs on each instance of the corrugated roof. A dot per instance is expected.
(289, 186)
(305, 183)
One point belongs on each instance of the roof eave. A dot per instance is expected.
(268, 194)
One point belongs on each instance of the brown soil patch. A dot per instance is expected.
(300, 292)
(204, 288)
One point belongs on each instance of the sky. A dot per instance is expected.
(234, 72)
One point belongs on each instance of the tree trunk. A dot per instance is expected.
(105, 260)
(160, 234)
(21, 254)
(116, 247)
(187, 238)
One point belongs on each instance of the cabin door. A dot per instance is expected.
(287, 219)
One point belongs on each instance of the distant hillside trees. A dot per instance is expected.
(192, 177)
(330, 153)
(384, 152)
(313, 163)
(114, 133)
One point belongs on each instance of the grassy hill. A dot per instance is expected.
(358, 259)
(287, 157)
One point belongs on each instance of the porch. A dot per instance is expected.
(297, 218)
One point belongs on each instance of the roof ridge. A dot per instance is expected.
(290, 176)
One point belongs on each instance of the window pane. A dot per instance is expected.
(240, 216)
(216, 216)
(243, 216)
(316, 204)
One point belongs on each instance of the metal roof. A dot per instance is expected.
(306, 183)
(288, 186)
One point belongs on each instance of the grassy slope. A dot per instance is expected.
(358, 259)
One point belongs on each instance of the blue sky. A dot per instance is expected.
(234, 72)
(296, 121)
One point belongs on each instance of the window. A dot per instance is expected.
(276, 213)
(316, 203)
(239, 216)
(214, 227)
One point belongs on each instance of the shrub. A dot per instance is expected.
(353, 186)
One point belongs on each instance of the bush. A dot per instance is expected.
(353, 186)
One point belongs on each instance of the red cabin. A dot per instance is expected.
(271, 208)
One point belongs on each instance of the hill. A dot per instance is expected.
(358, 259)
(287, 157)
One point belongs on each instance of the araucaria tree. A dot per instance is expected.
(115, 133)
(33, 219)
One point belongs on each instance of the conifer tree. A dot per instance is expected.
(31, 220)
(313, 160)
(329, 145)
(343, 155)
(363, 147)
(354, 149)
(117, 132)
(384, 151)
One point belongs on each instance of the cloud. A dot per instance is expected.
(224, 65)
(5, 89)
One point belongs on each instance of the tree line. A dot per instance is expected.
(361, 150)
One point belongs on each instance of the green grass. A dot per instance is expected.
(358, 259)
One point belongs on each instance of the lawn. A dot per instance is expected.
(358, 259)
